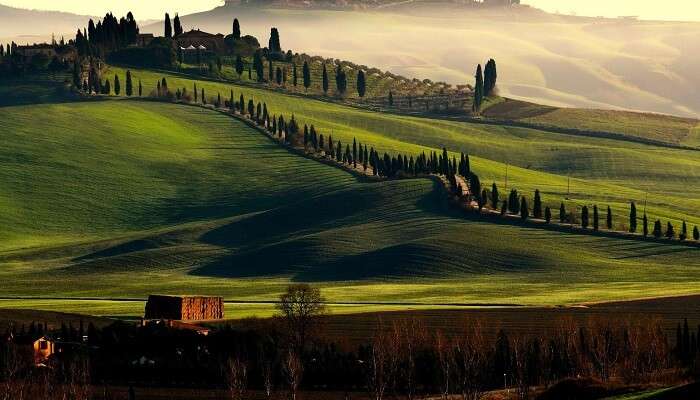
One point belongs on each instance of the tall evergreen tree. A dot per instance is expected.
(239, 66)
(609, 220)
(524, 212)
(684, 232)
(259, 66)
(490, 77)
(294, 74)
(306, 73)
(537, 205)
(361, 83)
(278, 76)
(325, 79)
(696, 233)
(633, 217)
(168, 27)
(584, 217)
(478, 90)
(494, 195)
(140, 88)
(547, 215)
(657, 229)
(270, 71)
(562, 213)
(177, 26)
(670, 231)
(117, 86)
(274, 43)
(129, 85)
(236, 29)
(341, 81)
(645, 225)
(596, 218)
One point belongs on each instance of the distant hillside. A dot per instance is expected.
(590, 62)
(28, 26)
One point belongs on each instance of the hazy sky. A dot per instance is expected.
(147, 9)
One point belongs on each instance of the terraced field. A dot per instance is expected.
(117, 199)
(603, 171)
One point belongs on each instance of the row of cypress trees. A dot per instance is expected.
(402, 165)
(589, 216)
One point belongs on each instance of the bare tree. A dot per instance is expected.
(293, 370)
(520, 372)
(237, 377)
(445, 353)
(301, 306)
(410, 336)
(12, 362)
(266, 371)
(470, 361)
(378, 381)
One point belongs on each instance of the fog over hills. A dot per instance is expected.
(552, 59)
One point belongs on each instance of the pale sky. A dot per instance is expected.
(150, 9)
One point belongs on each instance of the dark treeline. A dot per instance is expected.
(404, 359)
(107, 35)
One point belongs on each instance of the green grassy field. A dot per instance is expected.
(604, 171)
(119, 199)
(661, 128)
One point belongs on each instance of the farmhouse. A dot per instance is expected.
(184, 308)
(39, 346)
(202, 40)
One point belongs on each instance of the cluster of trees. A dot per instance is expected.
(404, 358)
(485, 84)
(174, 29)
(107, 35)
(95, 85)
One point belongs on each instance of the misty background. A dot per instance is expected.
(553, 59)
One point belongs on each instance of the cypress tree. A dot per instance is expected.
(537, 205)
(482, 199)
(325, 79)
(684, 232)
(236, 29)
(129, 84)
(140, 88)
(633, 217)
(306, 75)
(475, 187)
(117, 86)
(670, 232)
(341, 82)
(204, 99)
(547, 215)
(596, 218)
(490, 77)
(231, 102)
(241, 104)
(258, 65)
(361, 83)
(239, 66)
(696, 233)
(76, 74)
(504, 208)
(494, 194)
(278, 76)
(274, 42)
(270, 71)
(478, 90)
(177, 26)
(657, 229)
(584, 217)
(562, 213)
(645, 226)
(168, 27)
(354, 150)
(524, 212)
(609, 219)
(196, 93)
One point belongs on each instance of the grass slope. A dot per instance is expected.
(604, 171)
(119, 199)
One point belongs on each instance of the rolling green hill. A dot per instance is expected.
(118, 199)
(604, 171)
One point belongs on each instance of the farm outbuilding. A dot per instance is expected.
(184, 308)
